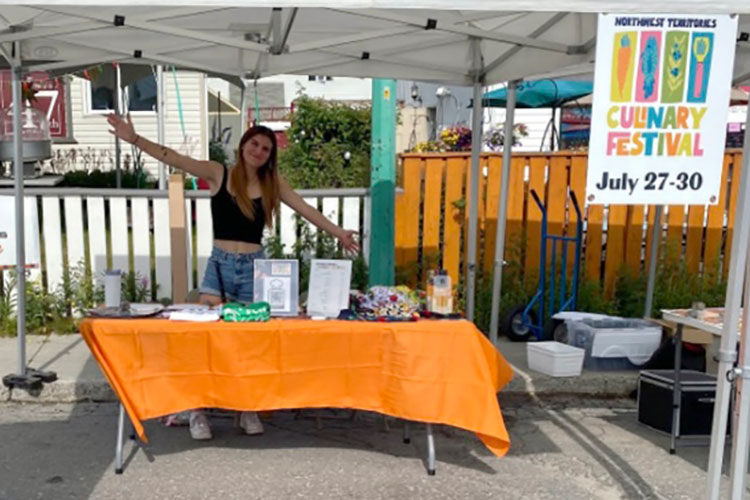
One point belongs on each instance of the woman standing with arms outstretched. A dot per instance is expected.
(244, 198)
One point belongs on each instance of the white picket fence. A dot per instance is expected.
(75, 223)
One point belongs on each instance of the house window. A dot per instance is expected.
(138, 96)
(319, 78)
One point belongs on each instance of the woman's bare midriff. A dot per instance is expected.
(232, 247)
(237, 246)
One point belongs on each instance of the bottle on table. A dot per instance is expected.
(442, 293)
(430, 289)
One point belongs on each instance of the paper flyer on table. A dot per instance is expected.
(330, 281)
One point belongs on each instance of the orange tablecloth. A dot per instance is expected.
(431, 371)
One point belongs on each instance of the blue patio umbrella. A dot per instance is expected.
(541, 94)
(547, 93)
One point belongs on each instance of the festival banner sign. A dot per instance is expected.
(661, 100)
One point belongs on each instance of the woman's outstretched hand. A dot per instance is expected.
(122, 128)
(348, 240)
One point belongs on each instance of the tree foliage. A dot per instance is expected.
(329, 145)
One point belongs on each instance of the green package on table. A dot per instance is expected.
(236, 312)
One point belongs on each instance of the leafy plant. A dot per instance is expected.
(43, 311)
(456, 138)
(99, 179)
(217, 153)
(429, 147)
(59, 310)
(135, 288)
(8, 303)
(675, 287)
(494, 138)
(321, 246)
(75, 291)
(329, 145)
(592, 298)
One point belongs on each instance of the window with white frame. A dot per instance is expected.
(319, 78)
(139, 96)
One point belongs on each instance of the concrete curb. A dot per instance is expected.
(605, 386)
(62, 391)
(80, 379)
(613, 386)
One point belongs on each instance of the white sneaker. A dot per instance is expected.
(199, 428)
(250, 422)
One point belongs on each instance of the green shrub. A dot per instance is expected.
(44, 312)
(591, 298)
(59, 310)
(675, 288)
(98, 179)
(329, 145)
(321, 246)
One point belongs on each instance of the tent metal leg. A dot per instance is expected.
(729, 335)
(502, 211)
(407, 433)
(243, 108)
(473, 187)
(654, 256)
(741, 435)
(160, 111)
(20, 228)
(118, 112)
(676, 391)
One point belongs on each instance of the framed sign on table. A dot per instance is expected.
(276, 281)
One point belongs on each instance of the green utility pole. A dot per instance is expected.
(382, 182)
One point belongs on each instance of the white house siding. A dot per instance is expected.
(338, 89)
(95, 147)
(536, 121)
(415, 128)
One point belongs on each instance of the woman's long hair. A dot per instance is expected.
(267, 175)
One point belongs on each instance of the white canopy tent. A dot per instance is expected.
(466, 47)
(437, 43)
(430, 45)
(431, 40)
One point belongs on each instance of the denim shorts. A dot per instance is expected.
(232, 273)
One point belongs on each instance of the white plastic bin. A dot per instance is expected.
(614, 343)
(555, 359)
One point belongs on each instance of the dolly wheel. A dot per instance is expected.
(560, 333)
(554, 329)
(513, 326)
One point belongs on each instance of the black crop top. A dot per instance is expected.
(229, 222)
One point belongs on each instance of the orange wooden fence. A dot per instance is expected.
(432, 217)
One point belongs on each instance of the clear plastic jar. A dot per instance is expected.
(34, 124)
(34, 131)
